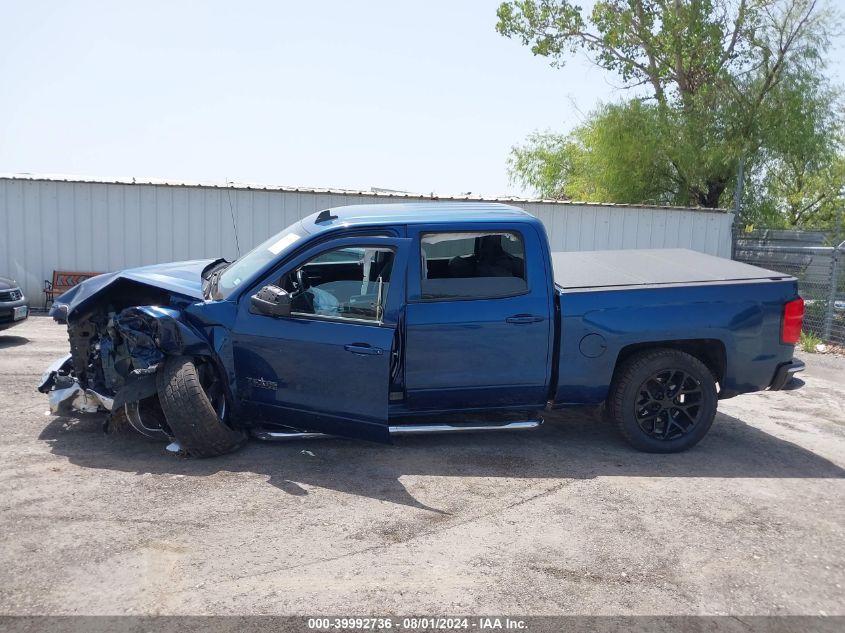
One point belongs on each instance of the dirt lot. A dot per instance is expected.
(563, 520)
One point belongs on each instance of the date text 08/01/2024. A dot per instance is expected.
(486, 623)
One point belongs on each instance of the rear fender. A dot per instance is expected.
(592, 343)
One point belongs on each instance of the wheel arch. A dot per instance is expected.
(711, 352)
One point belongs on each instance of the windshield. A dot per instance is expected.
(245, 267)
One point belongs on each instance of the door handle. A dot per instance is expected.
(363, 349)
(522, 319)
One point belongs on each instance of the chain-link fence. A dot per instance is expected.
(820, 271)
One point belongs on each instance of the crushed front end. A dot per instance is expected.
(121, 327)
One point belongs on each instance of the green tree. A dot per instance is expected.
(800, 171)
(708, 75)
(616, 155)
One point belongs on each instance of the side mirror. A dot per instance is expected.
(271, 301)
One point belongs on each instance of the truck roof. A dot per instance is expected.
(414, 213)
(583, 270)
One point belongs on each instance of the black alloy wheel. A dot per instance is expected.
(662, 400)
(669, 404)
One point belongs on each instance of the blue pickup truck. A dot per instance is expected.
(376, 320)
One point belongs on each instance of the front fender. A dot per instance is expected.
(153, 332)
(150, 333)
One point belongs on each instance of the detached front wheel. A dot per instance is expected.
(194, 402)
(663, 400)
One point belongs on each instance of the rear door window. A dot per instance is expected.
(472, 265)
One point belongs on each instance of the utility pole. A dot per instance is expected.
(740, 177)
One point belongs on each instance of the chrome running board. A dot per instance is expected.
(278, 436)
(424, 429)
(405, 429)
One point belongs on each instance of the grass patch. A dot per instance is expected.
(809, 341)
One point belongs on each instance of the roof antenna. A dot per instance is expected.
(325, 216)
(232, 213)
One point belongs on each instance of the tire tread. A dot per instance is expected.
(189, 413)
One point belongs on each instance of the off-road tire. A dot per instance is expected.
(190, 415)
(625, 389)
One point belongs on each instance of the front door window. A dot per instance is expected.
(343, 283)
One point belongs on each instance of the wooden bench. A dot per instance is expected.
(63, 280)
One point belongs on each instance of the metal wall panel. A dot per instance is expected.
(49, 224)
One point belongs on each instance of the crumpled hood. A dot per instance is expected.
(182, 278)
(7, 284)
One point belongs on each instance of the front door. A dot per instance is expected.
(327, 367)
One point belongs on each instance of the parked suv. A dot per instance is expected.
(14, 308)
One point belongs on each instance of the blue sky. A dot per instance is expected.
(420, 96)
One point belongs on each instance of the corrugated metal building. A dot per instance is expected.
(89, 224)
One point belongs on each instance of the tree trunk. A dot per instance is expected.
(710, 197)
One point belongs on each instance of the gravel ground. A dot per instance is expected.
(563, 520)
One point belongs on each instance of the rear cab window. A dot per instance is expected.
(472, 265)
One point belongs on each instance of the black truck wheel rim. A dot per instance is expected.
(669, 404)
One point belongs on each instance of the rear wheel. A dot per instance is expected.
(663, 400)
(194, 402)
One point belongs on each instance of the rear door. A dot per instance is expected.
(327, 367)
(479, 319)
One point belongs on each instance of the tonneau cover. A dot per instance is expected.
(649, 267)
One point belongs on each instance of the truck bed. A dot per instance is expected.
(588, 270)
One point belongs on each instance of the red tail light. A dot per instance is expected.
(793, 319)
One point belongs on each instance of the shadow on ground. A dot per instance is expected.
(12, 341)
(569, 446)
